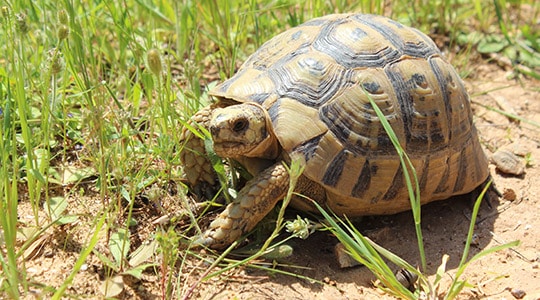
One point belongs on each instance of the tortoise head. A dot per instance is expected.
(243, 130)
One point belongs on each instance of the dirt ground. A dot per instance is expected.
(497, 276)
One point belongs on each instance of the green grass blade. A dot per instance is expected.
(362, 250)
(457, 284)
(408, 168)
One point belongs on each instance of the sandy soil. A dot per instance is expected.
(498, 276)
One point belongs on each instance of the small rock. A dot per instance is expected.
(343, 258)
(475, 241)
(518, 293)
(407, 279)
(519, 149)
(328, 281)
(507, 162)
(509, 194)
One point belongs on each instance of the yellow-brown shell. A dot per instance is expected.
(313, 80)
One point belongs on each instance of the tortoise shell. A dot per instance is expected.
(315, 81)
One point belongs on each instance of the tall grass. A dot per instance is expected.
(93, 94)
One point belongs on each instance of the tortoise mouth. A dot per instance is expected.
(231, 148)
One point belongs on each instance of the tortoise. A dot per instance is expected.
(305, 95)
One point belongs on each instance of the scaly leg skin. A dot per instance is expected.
(253, 202)
(200, 175)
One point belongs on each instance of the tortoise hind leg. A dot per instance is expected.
(253, 202)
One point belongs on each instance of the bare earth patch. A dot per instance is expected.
(498, 276)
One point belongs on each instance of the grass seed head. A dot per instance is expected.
(56, 61)
(5, 12)
(63, 17)
(153, 59)
(62, 32)
(21, 23)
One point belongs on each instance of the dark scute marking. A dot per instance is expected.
(367, 106)
(352, 128)
(305, 93)
(376, 198)
(443, 184)
(405, 101)
(420, 49)
(397, 184)
(444, 93)
(309, 147)
(273, 111)
(372, 87)
(462, 174)
(313, 64)
(335, 168)
(346, 55)
(421, 139)
(384, 142)
(436, 137)
(262, 62)
(363, 182)
(340, 125)
(259, 98)
(425, 173)
(374, 169)
(296, 35)
(420, 80)
(397, 24)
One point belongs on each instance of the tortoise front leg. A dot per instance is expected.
(253, 202)
(198, 169)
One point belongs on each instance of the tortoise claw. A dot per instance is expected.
(202, 241)
(215, 238)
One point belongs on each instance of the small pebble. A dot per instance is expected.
(343, 258)
(48, 254)
(507, 162)
(407, 278)
(517, 293)
(475, 241)
(328, 281)
(509, 194)
(84, 267)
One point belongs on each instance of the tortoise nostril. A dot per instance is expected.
(240, 125)
(214, 130)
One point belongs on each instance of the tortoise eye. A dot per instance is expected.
(240, 125)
